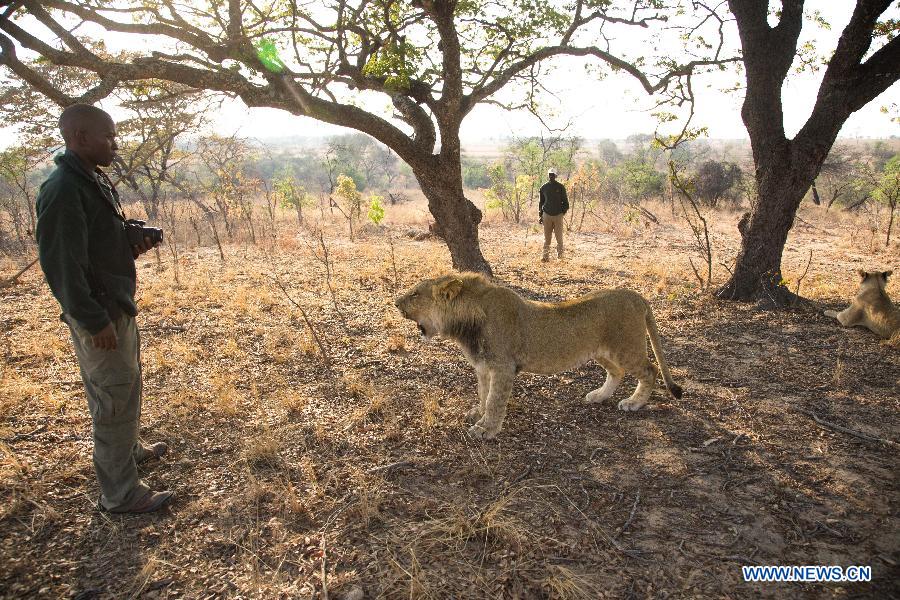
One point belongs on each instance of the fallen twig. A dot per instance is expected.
(637, 499)
(856, 204)
(808, 224)
(836, 427)
(610, 540)
(324, 572)
(12, 280)
(647, 214)
(24, 436)
(520, 476)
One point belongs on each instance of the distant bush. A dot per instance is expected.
(475, 175)
(716, 181)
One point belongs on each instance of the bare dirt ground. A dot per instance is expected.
(294, 480)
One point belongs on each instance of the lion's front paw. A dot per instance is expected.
(830, 313)
(631, 404)
(595, 397)
(474, 415)
(480, 433)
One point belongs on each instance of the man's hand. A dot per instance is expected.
(105, 339)
(541, 219)
(139, 249)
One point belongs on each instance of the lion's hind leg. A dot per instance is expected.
(848, 317)
(646, 375)
(614, 376)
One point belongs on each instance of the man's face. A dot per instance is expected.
(97, 141)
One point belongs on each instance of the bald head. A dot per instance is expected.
(90, 133)
(79, 117)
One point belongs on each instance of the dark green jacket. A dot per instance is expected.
(82, 246)
(554, 200)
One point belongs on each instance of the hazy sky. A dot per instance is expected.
(612, 108)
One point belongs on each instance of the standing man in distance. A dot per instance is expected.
(89, 265)
(552, 208)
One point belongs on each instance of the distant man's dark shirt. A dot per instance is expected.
(554, 200)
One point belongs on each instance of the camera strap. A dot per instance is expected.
(112, 197)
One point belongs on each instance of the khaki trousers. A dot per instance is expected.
(553, 224)
(112, 384)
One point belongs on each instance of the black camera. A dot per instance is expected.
(136, 231)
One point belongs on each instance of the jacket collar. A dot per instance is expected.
(70, 160)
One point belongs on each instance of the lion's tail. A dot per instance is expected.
(673, 387)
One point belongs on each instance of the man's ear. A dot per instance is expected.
(862, 274)
(448, 290)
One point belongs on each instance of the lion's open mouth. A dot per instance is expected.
(426, 334)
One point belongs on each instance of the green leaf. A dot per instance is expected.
(267, 53)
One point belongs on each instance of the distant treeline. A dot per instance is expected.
(223, 176)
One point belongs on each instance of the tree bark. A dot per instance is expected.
(457, 218)
(757, 272)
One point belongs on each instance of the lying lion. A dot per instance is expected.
(502, 333)
(871, 308)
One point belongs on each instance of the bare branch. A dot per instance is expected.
(615, 62)
(33, 78)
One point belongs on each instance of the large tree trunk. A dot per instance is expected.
(783, 179)
(757, 272)
(456, 217)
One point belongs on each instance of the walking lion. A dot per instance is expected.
(502, 333)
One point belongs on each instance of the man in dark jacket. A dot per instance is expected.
(553, 205)
(89, 264)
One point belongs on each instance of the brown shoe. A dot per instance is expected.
(157, 450)
(149, 502)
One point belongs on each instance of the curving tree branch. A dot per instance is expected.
(434, 60)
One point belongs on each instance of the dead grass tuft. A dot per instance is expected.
(564, 583)
(226, 400)
(494, 525)
(430, 409)
(839, 378)
(262, 451)
(396, 343)
(293, 402)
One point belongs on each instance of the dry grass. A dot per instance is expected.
(286, 470)
(565, 583)
(262, 450)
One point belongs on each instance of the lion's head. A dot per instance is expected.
(434, 303)
(876, 279)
